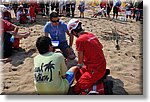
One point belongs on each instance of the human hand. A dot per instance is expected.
(26, 34)
(70, 55)
(69, 50)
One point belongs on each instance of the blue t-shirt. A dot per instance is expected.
(56, 32)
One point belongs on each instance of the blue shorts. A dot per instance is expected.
(70, 77)
(63, 46)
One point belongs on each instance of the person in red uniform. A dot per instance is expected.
(32, 13)
(9, 32)
(91, 60)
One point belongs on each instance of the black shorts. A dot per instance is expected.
(7, 47)
(108, 10)
(115, 10)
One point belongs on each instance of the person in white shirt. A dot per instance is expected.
(19, 12)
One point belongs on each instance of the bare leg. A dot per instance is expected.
(130, 16)
(80, 14)
(116, 16)
(83, 15)
(113, 15)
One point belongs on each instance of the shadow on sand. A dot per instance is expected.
(18, 57)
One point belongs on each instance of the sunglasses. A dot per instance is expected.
(55, 21)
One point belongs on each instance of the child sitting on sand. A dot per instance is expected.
(50, 72)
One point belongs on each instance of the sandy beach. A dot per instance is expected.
(125, 64)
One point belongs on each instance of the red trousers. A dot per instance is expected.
(87, 77)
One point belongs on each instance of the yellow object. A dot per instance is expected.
(48, 71)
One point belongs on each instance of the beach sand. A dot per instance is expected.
(125, 64)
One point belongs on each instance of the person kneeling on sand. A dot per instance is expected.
(10, 33)
(50, 72)
(56, 29)
(92, 65)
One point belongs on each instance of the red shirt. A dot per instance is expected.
(32, 11)
(7, 26)
(103, 3)
(92, 51)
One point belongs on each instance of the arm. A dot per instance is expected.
(22, 35)
(80, 43)
(19, 35)
(46, 30)
(15, 31)
(80, 57)
(70, 39)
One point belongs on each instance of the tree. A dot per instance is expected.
(49, 67)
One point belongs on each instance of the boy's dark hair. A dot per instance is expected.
(53, 14)
(43, 44)
(78, 29)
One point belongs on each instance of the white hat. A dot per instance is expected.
(72, 24)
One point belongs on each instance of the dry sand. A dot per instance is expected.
(125, 64)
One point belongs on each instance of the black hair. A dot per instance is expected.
(43, 44)
(78, 28)
(53, 14)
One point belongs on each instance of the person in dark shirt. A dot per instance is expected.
(138, 10)
(109, 7)
(67, 8)
(15, 6)
(140, 7)
(73, 6)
